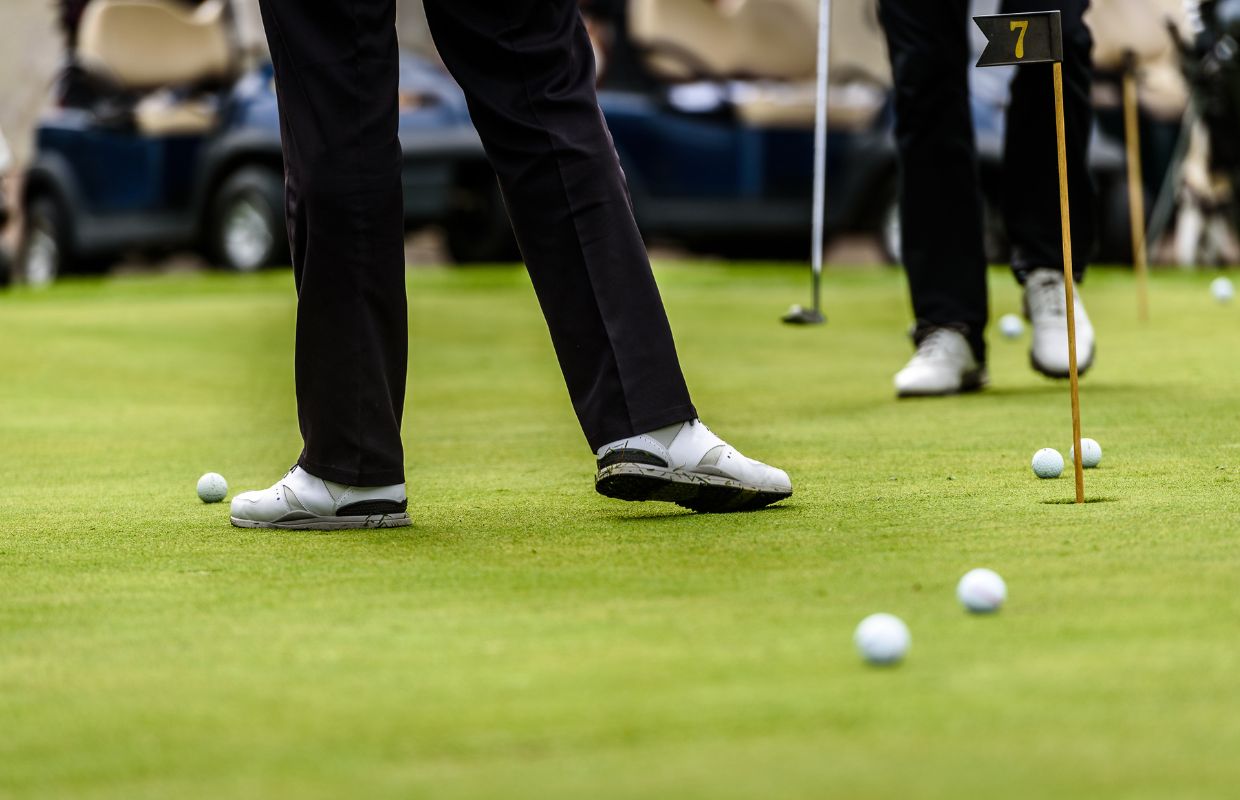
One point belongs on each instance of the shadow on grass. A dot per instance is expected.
(1072, 501)
(1061, 387)
(404, 535)
(684, 513)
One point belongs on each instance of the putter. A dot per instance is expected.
(798, 314)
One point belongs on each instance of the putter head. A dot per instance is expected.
(799, 315)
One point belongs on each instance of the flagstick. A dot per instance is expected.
(1066, 227)
(1136, 192)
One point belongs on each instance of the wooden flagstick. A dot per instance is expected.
(1136, 191)
(1066, 227)
(1032, 39)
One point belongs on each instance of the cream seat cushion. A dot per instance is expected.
(850, 106)
(163, 114)
(773, 40)
(768, 39)
(147, 44)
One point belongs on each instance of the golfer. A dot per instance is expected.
(940, 200)
(527, 70)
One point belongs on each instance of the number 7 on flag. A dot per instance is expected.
(1021, 38)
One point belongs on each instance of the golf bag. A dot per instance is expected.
(1211, 64)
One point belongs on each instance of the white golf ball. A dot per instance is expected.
(1011, 326)
(981, 591)
(212, 487)
(1091, 453)
(1222, 289)
(1047, 463)
(882, 639)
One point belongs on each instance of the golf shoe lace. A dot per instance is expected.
(1046, 298)
(938, 343)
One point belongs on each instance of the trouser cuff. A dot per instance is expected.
(974, 334)
(1023, 264)
(388, 477)
(643, 424)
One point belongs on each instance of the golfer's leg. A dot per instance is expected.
(336, 76)
(940, 199)
(527, 70)
(1030, 166)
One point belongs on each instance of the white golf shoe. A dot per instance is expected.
(687, 465)
(943, 364)
(300, 501)
(1047, 311)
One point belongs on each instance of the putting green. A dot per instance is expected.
(527, 638)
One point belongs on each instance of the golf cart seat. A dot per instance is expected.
(769, 44)
(146, 45)
(687, 39)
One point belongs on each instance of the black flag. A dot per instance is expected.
(1021, 38)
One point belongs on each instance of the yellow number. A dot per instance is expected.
(1023, 24)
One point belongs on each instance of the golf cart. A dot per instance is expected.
(162, 136)
(711, 106)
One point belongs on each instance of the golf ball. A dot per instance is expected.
(882, 639)
(212, 487)
(1011, 326)
(1047, 463)
(1222, 289)
(1091, 453)
(981, 591)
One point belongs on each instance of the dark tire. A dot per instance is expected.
(477, 229)
(6, 268)
(245, 228)
(44, 254)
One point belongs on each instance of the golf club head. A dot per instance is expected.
(799, 315)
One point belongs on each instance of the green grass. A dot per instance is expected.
(529, 639)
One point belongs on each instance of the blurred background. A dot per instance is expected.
(144, 132)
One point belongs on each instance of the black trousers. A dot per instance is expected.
(527, 70)
(940, 196)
